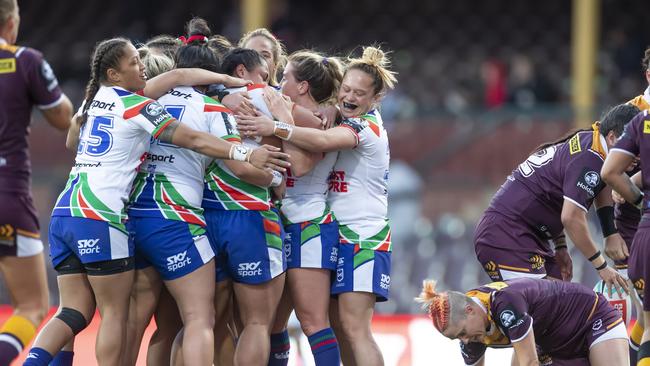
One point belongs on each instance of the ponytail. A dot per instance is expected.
(107, 55)
(436, 304)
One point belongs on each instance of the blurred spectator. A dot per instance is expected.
(493, 75)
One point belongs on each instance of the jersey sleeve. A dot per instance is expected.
(630, 140)
(223, 126)
(43, 86)
(582, 181)
(356, 126)
(149, 115)
(472, 352)
(510, 313)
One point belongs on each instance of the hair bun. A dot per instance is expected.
(198, 27)
(374, 56)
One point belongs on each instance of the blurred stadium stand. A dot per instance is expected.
(480, 85)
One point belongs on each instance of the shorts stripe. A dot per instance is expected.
(518, 269)
(364, 275)
(204, 248)
(28, 234)
(119, 243)
(361, 257)
(28, 246)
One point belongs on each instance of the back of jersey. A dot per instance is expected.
(26, 80)
(223, 190)
(169, 183)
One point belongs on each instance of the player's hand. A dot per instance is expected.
(563, 259)
(233, 82)
(328, 115)
(617, 198)
(615, 247)
(260, 125)
(280, 105)
(613, 279)
(240, 103)
(267, 156)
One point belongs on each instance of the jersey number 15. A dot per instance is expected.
(99, 138)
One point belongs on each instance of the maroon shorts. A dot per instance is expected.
(639, 262)
(19, 229)
(507, 249)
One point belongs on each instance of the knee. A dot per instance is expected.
(312, 323)
(73, 318)
(354, 329)
(34, 311)
(199, 316)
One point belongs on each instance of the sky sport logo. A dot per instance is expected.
(88, 246)
(249, 269)
(178, 261)
(385, 281)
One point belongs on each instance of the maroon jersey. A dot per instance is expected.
(26, 80)
(635, 141)
(535, 191)
(565, 317)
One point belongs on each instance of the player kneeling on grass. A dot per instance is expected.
(546, 322)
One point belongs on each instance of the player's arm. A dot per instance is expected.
(250, 174)
(613, 173)
(207, 144)
(615, 247)
(334, 139)
(281, 107)
(525, 350)
(59, 116)
(161, 84)
(72, 138)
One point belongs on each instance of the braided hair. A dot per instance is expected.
(107, 55)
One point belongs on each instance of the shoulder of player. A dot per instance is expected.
(22, 53)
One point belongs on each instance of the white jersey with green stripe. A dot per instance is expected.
(223, 190)
(306, 196)
(112, 143)
(358, 185)
(169, 183)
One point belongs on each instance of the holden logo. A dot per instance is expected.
(592, 178)
(154, 109)
(507, 318)
(597, 324)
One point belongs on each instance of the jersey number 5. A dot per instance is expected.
(99, 139)
(537, 160)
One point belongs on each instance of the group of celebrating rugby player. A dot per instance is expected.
(209, 196)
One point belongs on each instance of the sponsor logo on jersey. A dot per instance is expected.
(507, 318)
(155, 113)
(592, 178)
(646, 123)
(7, 65)
(384, 282)
(337, 182)
(537, 261)
(597, 324)
(48, 76)
(491, 269)
(102, 105)
(588, 181)
(178, 261)
(162, 158)
(249, 269)
(88, 246)
(179, 94)
(574, 144)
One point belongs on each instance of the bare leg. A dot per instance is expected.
(257, 305)
(112, 293)
(194, 294)
(355, 313)
(347, 355)
(27, 284)
(612, 352)
(168, 324)
(144, 297)
(224, 339)
(74, 293)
